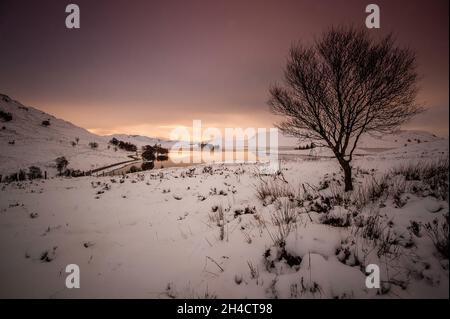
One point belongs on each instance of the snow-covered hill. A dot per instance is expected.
(25, 141)
(400, 138)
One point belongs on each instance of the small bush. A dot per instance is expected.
(22, 175)
(148, 155)
(133, 169)
(273, 190)
(12, 178)
(74, 173)
(114, 141)
(5, 116)
(434, 174)
(61, 164)
(93, 145)
(376, 229)
(34, 172)
(127, 146)
(45, 123)
(147, 166)
(284, 218)
(217, 217)
(438, 232)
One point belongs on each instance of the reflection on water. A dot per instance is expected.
(190, 158)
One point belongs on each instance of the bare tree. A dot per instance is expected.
(344, 85)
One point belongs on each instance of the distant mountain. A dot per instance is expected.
(140, 140)
(397, 139)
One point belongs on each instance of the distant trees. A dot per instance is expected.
(129, 147)
(150, 153)
(306, 146)
(6, 116)
(344, 85)
(34, 172)
(61, 164)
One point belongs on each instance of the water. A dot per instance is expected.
(191, 158)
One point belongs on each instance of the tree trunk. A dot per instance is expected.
(347, 175)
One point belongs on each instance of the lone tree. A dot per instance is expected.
(342, 86)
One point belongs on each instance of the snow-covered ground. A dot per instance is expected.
(205, 232)
(221, 230)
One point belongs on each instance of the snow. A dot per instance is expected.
(159, 233)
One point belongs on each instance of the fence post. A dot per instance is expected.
(45, 174)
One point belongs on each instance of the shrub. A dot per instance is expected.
(438, 233)
(306, 147)
(127, 146)
(284, 218)
(22, 175)
(34, 172)
(434, 174)
(217, 217)
(5, 116)
(93, 145)
(148, 155)
(147, 166)
(45, 123)
(74, 173)
(11, 178)
(133, 169)
(61, 164)
(114, 141)
(5, 98)
(273, 190)
(374, 228)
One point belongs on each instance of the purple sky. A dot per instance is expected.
(143, 67)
